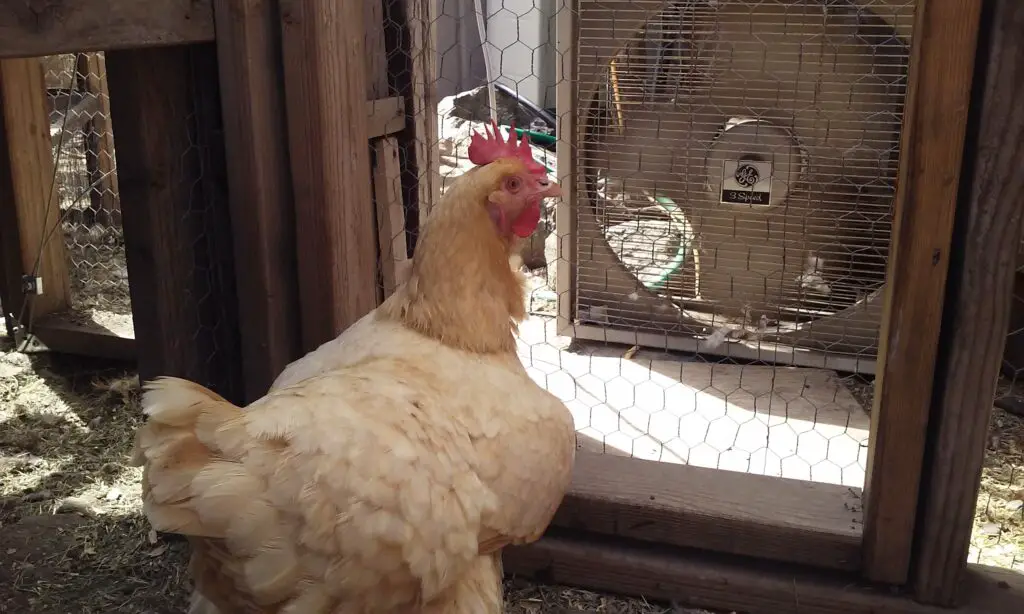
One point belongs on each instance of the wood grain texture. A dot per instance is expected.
(33, 28)
(978, 302)
(33, 239)
(387, 169)
(99, 157)
(941, 71)
(259, 188)
(385, 116)
(566, 39)
(175, 214)
(325, 80)
(723, 511)
(726, 583)
(56, 334)
(387, 195)
(412, 49)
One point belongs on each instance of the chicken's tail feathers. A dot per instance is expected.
(181, 411)
(193, 438)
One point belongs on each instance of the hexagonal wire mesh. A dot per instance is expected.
(86, 184)
(646, 321)
(998, 536)
(85, 162)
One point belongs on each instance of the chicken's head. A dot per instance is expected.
(517, 183)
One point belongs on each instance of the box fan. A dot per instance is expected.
(733, 169)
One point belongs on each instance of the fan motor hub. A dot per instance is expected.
(752, 163)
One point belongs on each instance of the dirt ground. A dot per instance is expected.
(72, 537)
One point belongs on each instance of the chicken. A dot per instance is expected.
(386, 470)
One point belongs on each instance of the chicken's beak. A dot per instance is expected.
(549, 189)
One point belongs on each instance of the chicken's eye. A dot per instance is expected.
(513, 184)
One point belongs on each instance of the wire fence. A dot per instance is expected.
(86, 183)
(648, 372)
(998, 536)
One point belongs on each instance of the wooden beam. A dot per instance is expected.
(325, 79)
(57, 334)
(941, 69)
(175, 212)
(385, 116)
(387, 170)
(729, 583)
(31, 203)
(986, 238)
(99, 156)
(413, 44)
(722, 511)
(29, 28)
(259, 188)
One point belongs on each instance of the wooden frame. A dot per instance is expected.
(701, 579)
(985, 253)
(648, 517)
(26, 177)
(325, 81)
(709, 509)
(259, 188)
(30, 29)
(174, 192)
(939, 86)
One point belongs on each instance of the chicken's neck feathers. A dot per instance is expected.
(462, 290)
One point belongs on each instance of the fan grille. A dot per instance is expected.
(673, 97)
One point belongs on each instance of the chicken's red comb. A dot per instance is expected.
(486, 148)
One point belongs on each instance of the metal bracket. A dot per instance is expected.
(30, 284)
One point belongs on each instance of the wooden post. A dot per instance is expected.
(260, 195)
(100, 140)
(942, 65)
(325, 85)
(986, 238)
(387, 172)
(30, 213)
(413, 41)
(175, 212)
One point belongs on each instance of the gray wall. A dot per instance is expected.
(521, 45)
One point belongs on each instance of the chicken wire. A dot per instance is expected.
(634, 392)
(86, 185)
(998, 535)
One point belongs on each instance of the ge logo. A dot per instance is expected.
(746, 175)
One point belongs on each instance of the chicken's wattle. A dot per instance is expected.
(524, 225)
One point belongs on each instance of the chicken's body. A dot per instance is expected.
(384, 471)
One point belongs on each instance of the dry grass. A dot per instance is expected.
(998, 537)
(73, 538)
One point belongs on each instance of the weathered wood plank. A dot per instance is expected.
(30, 28)
(412, 44)
(31, 214)
(730, 583)
(978, 302)
(56, 334)
(941, 71)
(259, 188)
(325, 79)
(387, 170)
(724, 511)
(100, 152)
(175, 211)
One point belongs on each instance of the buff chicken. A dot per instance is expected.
(386, 470)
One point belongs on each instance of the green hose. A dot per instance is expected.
(539, 138)
(672, 209)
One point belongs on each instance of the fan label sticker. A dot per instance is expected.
(746, 182)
